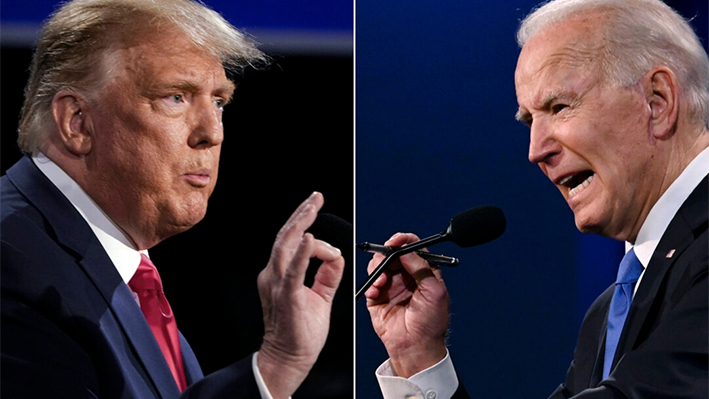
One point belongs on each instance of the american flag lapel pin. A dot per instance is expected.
(670, 253)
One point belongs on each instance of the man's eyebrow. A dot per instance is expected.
(159, 88)
(548, 99)
(225, 89)
(523, 116)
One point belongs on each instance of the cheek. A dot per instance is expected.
(145, 164)
(158, 147)
(603, 143)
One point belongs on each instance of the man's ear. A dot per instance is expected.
(72, 122)
(662, 93)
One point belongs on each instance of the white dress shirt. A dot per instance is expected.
(437, 381)
(666, 208)
(118, 246)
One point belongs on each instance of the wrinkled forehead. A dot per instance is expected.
(575, 43)
(560, 62)
(559, 53)
(168, 52)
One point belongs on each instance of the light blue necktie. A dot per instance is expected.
(628, 273)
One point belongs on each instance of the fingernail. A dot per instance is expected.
(334, 248)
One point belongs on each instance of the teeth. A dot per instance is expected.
(580, 187)
(566, 179)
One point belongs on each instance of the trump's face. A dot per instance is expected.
(589, 138)
(158, 134)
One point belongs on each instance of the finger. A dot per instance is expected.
(374, 262)
(297, 265)
(371, 294)
(414, 265)
(376, 288)
(324, 251)
(418, 268)
(382, 278)
(315, 199)
(309, 248)
(401, 239)
(301, 219)
(289, 237)
(397, 240)
(332, 266)
(379, 284)
(329, 274)
(437, 272)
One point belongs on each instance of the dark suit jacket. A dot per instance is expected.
(70, 326)
(663, 351)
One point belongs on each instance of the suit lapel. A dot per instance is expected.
(73, 233)
(679, 235)
(141, 337)
(597, 370)
(193, 372)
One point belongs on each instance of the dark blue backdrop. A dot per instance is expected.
(269, 14)
(436, 134)
(280, 26)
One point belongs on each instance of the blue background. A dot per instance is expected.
(283, 27)
(436, 135)
(271, 14)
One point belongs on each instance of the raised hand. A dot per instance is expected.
(296, 317)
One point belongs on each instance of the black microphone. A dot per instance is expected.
(469, 228)
(333, 229)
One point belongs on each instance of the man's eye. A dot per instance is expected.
(556, 108)
(176, 98)
(219, 103)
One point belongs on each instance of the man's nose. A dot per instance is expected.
(207, 130)
(543, 145)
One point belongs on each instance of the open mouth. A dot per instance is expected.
(577, 182)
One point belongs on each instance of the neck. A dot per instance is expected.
(679, 153)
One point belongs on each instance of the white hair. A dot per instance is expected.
(638, 36)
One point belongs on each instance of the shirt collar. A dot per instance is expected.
(115, 242)
(667, 206)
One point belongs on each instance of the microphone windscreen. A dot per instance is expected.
(477, 226)
(333, 229)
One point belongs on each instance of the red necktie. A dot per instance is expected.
(146, 284)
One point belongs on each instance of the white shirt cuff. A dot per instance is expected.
(262, 388)
(436, 382)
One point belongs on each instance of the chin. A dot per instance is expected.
(192, 218)
(588, 225)
(185, 217)
(175, 227)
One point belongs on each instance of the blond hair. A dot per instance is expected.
(76, 38)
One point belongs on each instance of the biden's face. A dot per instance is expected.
(589, 138)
